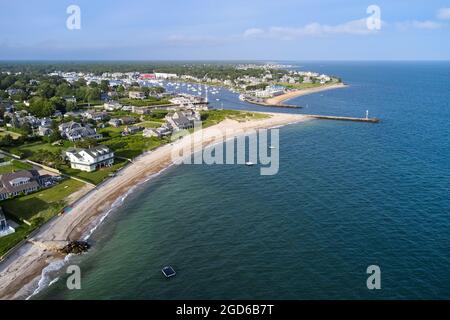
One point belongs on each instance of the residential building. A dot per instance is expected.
(127, 120)
(160, 75)
(179, 121)
(131, 130)
(141, 110)
(74, 131)
(115, 122)
(70, 99)
(112, 106)
(136, 95)
(90, 159)
(44, 131)
(160, 132)
(94, 115)
(19, 182)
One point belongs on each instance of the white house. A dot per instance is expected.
(74, 131)
(160, 75)
(90, 159)
(5, 228)
(136, 95)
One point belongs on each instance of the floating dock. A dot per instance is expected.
(168, 272)
(371, 120)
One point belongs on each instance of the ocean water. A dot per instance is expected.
(348, 195)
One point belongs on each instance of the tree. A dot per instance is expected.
(46, 90)
(41, 107)
(58, 103)
(6, 141)
(104, 85)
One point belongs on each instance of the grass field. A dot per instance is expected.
(37, 208)
(11, 240)
(27, 150)
(15, 166)
(133, 145)
(151, 124)
(42, 205)
(213, 117)
(145, 102)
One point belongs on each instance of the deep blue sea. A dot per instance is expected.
(348, 195)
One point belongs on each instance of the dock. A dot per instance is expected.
(367, 119)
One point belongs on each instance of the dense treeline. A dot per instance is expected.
(216, 70)
(45, 94)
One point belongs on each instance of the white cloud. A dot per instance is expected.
(444, 14)
(355, 27)
(414, 24)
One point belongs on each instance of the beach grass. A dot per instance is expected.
(212, 117)
(299, 86)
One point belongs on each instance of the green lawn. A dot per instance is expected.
(15, 166)
(213, 117)
(145, 102)
(95, 177)
(37, 208)
(299, 86)
(11, 240)
(111, 132)
(27, 150)
(133, 145)
(151, 124)
(40, 206)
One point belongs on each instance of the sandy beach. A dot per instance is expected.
(297, 93)
(20, 272)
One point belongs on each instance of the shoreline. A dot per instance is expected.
(279, 100)
(23, 270)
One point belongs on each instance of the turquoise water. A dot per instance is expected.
(348, 195)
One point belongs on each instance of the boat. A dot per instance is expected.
(249, 164)
(168, 272)
(272, 147)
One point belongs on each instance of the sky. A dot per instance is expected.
(225, 30)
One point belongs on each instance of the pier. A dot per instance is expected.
(366, 119)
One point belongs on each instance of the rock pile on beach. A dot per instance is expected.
(75, 247)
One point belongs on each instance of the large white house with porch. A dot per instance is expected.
(90, 159)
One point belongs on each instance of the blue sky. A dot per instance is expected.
(225, 30)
